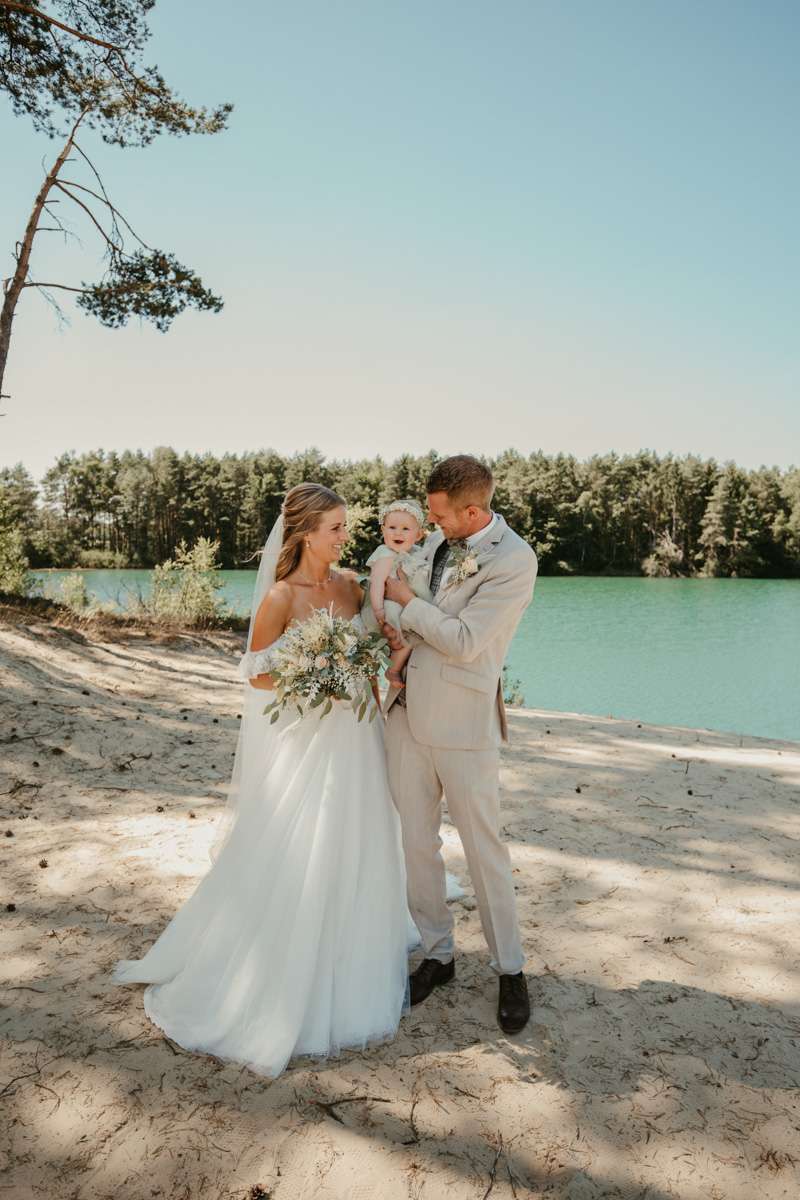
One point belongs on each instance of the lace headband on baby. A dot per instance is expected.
(409, 506)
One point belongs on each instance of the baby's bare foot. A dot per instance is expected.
(395, 678)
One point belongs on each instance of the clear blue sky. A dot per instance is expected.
(461, 225)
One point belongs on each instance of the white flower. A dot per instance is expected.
(466, 563)
(315, 670)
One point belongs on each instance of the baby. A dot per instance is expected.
(401, 522)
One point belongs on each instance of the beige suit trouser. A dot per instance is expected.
(418, 776)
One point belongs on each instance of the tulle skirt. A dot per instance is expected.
(295, 941)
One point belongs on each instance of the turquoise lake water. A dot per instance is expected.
(704, 653)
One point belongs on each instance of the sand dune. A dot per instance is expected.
(657, 872)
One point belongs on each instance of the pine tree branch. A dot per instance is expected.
(84, 37)
(105, 200)
(109, 240)
(113, 51)
(96, 174)
(85, 291)
(12, 288)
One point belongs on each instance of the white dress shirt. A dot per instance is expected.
(476, 537)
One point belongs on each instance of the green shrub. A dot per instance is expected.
(15, 578)
(185, 587)
(512, 691)
(54, 549)
(74, 595)
(365, 534)
(666, 559)
(72, 592)
(99, 560)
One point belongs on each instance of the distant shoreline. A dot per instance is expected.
(542, 574)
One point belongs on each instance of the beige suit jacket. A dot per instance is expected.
(454, 692)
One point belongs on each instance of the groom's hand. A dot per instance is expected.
(398, 589)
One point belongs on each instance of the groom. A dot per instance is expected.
(444, 729)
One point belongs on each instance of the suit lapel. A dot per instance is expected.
(496, 536)
(488, 544)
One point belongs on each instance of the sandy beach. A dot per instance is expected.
(657, 872)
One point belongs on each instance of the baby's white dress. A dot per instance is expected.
(416, 569)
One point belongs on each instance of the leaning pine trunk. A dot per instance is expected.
(12, 288)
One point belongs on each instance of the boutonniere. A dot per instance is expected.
(466, 563)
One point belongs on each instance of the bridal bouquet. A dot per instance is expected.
(324, 659)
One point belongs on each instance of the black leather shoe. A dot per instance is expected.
(428, 975)
(513, 1007)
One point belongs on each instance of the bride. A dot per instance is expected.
(295, 941)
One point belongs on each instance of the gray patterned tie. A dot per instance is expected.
(440, 557)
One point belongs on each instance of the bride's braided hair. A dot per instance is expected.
(303, 508)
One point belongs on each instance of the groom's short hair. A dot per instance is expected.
(464, 480)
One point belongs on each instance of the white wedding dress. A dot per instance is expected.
(295, 942)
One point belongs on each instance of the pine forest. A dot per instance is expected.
(610, 514)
